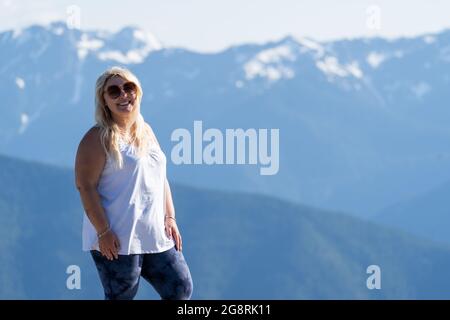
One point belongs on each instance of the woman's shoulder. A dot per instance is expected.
(92, 139)
(90, 158)
(92, 135)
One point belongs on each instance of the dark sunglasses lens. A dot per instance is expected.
(129, 87)
(113, 91)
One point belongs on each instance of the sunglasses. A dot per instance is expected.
(115, 91)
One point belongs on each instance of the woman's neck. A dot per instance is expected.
(124, 131)
(124, 127)
(124, 124)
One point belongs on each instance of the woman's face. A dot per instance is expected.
(120, 96)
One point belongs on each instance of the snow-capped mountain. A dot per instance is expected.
(129, 46)
(363, 122)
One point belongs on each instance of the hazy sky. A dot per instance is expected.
(212, 25)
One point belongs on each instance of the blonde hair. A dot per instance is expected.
(141, 133)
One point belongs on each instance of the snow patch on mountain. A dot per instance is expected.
(354, 70)
(20, 83)
(374, 59)
(277, 54)
(85, 45)
(269, 64)
(331, 67)
(308, 45)
(141, 44)
(148, 38)
(24, 121)
(59, 31)
(429, 39)
(17, 33)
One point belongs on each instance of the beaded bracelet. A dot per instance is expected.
(103, 233)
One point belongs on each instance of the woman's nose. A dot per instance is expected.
(123, 93)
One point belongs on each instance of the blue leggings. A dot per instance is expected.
(166, 271)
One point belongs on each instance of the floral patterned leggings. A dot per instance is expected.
(166, 271)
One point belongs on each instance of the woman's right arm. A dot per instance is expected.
(89, 163)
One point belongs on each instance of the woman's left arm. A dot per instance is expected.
(169, 218)
(169, 210)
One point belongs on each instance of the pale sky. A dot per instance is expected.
(213, 25)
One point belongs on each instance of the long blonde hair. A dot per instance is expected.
(141, 133)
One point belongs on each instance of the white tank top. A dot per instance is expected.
(133, 200)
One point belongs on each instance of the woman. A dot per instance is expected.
(129, 226)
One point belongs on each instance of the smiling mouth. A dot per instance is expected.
(125, 104)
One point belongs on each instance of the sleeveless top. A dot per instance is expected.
(134, 202)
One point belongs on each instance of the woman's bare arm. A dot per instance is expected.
(89, 163)
(171, 226)
(169, 209)
(168, 205)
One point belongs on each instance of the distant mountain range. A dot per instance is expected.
(426, 215)
(238, 246)
(363, 123)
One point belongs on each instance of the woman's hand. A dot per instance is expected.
(173, 233)
(109, 245)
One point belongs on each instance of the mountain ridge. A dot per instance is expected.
(238, 246)
(362, 125)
